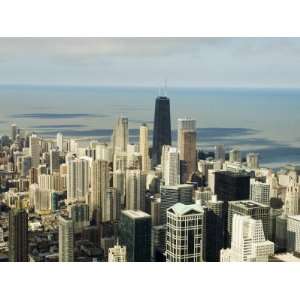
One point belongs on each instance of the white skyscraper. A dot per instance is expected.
(66, 240)
(99, 183)
(252, 160)
(184, 124)
(135, 190)
(35, 150)
(248, 242)
(170, 165)
(260, 192)
(117, 254)
(78, 179)
(60, 141)
(293, 234)
(144, 147)
(120, 135)
(185, 232)
(13, 132)
(219, 152)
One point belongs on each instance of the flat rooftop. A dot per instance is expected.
(248, 204)
(136, 214)
(284, 257)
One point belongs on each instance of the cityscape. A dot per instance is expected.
(98, 164)
(83, 200)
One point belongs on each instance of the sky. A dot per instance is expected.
(196, 62)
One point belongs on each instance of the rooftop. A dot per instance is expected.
(248, 204)
(135, 214)
(182, 209)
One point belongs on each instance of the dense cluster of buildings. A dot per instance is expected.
(68, 199)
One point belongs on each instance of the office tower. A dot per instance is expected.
(40, 199)
(231, 186)
(292, 199)
(117, 254)
(60, 142)
(235, 155)
(214, 235)
(66, 239)
(255, 210)
(120, 161)
(134, 160)
(170, 165)
(111, 206)
(184, 124)
(185, 232)
(135, 190)
(162, 128)
(18, 235)
(144, 147)
(35, 149)
(219, 152)
(203, 195)
(119, 183)
(158, 243)
(13, 132)
(33, 175)
(293, 234)
(170, 195)
(54, 160)
(99, 183)
(79, 214)
(120, 135)
(77, 179)
(104, 152)
(135, 235)
(248, 242)
(188, 153)
(252, 161)
(260, 192)
(281, 234)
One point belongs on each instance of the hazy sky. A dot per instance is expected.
(273, 62)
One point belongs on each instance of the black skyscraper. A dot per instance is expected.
(18, 235)
(231, 186)
(162, 128)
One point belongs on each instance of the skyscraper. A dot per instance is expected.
(54, 160)
(170, 195)
(111, 206)
(255, 210)
(292, 199)
(135, 235)
(170, 165)
(185, 231)
(293, 234)
(99, 183)
(252, 160)
(248, 242)
(35, 149)
(144, 147)
(235, 155)
(260, 192)
(120, 135)
(18, 235)
(60, 142)
(135, 190)
(188, 153)
(219, 152)
(117, 254)
(13, 132)
(162, 128)
(66, 239)
(184, 124)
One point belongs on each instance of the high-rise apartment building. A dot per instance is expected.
(248, 242)
(235, 155)
(35, 150)
(66, 239)
(170, 164)
(185, 232)
(219, 152)
(252, 160)
(111, 206)
(135, 235)
(54, 160)
(144, 147)
(162, 128)
(184, 124)
(60, 142)
(135, 190)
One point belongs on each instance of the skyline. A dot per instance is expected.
(184, 62)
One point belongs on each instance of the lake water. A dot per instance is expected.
(261, 120)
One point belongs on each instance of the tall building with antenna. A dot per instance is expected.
(162, 128)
